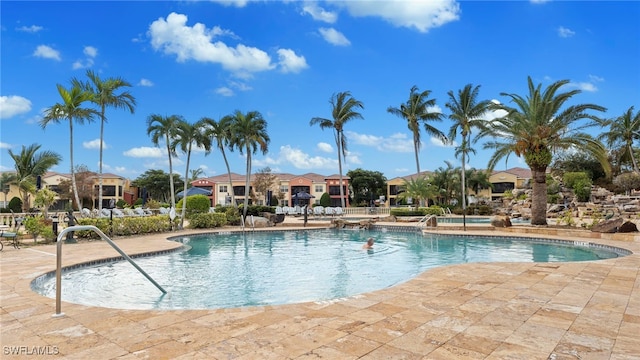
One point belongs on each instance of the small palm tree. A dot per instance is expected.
(30, 164)
(165, 127)
(104, 94)
(466, 113)
(343, 109)
(537, 127)
(250, 131)
(71, 108)
(419, 189)
(623, 131)
(418, 111)
(186, 136)
(221, 131)
(6, 180)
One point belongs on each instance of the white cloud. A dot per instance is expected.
(30, 29)
(539, 1)
(320, 14)
(94, 144)
(584, 86)
(333, 36)
(145, 82)
(144, 152)
(13, 105)
(47, 52)
(236, 3)
(438, 142)
(594, 78)
(240, 86)
(397, 142)
(565, 32)
(298, 159)
(90, 51)
(290, 62)
(420, 15)
(4, 145)
(173, 36)
(324, 147)
(224, 91)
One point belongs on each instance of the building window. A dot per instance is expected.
(284, 188)
(499, 188)
(319, 188)
(222, 188)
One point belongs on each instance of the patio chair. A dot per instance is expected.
(117, 213)
(164, 211)
(338, 211)
(85, 212)
(329, 211)
(129, 212)
(318, 211)
(104, 213)
(9, 235)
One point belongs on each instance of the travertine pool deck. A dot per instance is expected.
(581, 310)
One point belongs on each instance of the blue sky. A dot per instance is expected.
(286, 59)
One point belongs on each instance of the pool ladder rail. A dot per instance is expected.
(104, 237)
(423, 223)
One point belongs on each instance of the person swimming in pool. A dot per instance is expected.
(369, 244)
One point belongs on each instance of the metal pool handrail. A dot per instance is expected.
(105, 238)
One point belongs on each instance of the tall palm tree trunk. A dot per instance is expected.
(246, 184)
(184, 192)
(171, 185)
(416, 150)
(73, 175)
(633, 160)
(464, 195)
(100, 164)
(539, 196)
(226, 163)
(342, 202)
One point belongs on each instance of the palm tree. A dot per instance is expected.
(477, 180)
(417, 111)
(30, 164)
(69, 109)
(624, 130)
(6, 180)
(165, 127)
(536, 128)
(343, 109)
(445, 179)
(104, 95)
(195, 174)
(466, 113)
(221, 131)
(419, 189)
(186, 136)
(250, 131)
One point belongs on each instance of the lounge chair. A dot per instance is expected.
(329, 211)
(164, 211)
(338, 211)
(117, 213)
(318, 211)
(85, 212)
(129, 212)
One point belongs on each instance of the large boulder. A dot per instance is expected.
(608, 226)
(501, 221)
(628, 227)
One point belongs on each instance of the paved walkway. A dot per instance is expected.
(582, 310)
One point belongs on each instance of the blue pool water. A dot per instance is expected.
(265, 268)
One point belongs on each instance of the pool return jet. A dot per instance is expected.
(104, 237)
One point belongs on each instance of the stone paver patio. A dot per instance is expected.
(581, 310)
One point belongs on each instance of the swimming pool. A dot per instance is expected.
(267, 268)
(476, 220)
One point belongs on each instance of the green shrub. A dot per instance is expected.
(553, 198)
(15, 204)
(121, 204)
(207, 221)
(408, 212)
(38, 226)
(195, 204)
(570, 179)
(325, 200)
(582, 189)
(126, 226)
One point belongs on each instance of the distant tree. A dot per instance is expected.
(367, 185)
(104, 93)
(623, 132)
(627, 182)
(164, 128)
(6, 180)
(44, 199)
(446, 180)
(343, 109)
(419, 110)
(478, 180)
(195, 174)
(325, 200)
(250, 131)
(85, 180)
(467, 112)
(577, 161)
(29, 163)
(536, 128)
(186, 136)
(264, 180)
(70, 109)
(418, 189)
(224, 139)
(156, 182)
